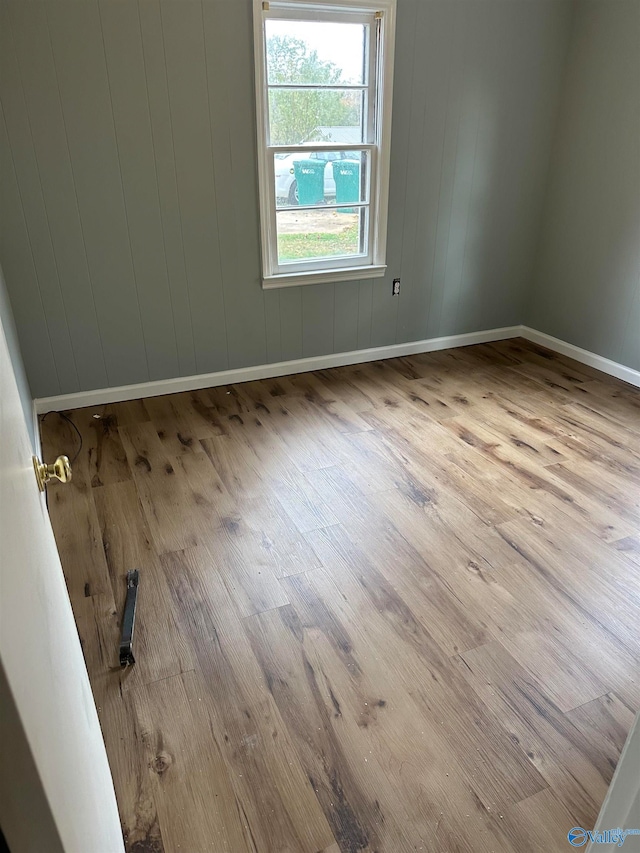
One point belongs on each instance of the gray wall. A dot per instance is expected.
(9, 329)
(129, 233)
(587, 282)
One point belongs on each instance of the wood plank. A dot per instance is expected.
(434, 470)
(143, 448)
(248, 572)
(354, 794)
(606, 721)
(591, 577)
(430, 604)
(197, 805)
(360, 707)
(545, 488)
(237, 465)
(620, 401)
(433, 685)
(160, 648)
(562, 675)
(79, 542)
(629, 547)
(461, 554)
(606, 431)
(395, 618)
(615, 491)
(539, 822)
(187, 484)
(181, 420)
(327, 402)
(558, 750)
(99, 630)
(276, 798)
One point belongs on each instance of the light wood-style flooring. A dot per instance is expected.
(390, 607)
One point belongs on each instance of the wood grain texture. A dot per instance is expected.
(388, 607)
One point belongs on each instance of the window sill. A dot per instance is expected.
(323, 276)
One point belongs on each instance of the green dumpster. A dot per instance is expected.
(346, 174)
(310, 180)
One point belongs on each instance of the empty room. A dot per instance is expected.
(320, 426)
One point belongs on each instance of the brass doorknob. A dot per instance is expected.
(60, 470)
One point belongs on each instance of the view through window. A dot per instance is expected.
(321, 135)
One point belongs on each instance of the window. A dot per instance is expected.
(323, 96)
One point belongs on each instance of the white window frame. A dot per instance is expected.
(381, 15)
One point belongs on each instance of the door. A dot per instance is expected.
(56, 792)
(621, 806)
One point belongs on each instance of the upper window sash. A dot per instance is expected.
(314, 15)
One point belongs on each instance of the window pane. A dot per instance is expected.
(321, 177)
(297, 116)
(313, 234)
(315, 52)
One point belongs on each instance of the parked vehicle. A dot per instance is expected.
(286, 184)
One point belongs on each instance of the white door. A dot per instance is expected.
(56, 791)
(621, 806)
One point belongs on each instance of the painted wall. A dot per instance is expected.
(8, 327)
(587, 281)
(129, 232)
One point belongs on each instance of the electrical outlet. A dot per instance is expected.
(395, 291)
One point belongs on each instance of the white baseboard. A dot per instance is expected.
(265, 371)
(613, 368)
(302, 365)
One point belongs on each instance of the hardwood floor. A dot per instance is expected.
(390, 607)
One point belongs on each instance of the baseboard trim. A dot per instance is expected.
(613, 368)
(122, 393)
(265, 371)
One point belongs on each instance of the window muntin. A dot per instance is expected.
(323, 78)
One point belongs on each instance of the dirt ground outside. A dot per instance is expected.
(315, 221)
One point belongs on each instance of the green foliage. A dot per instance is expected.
(296, 114)
(293, 247)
